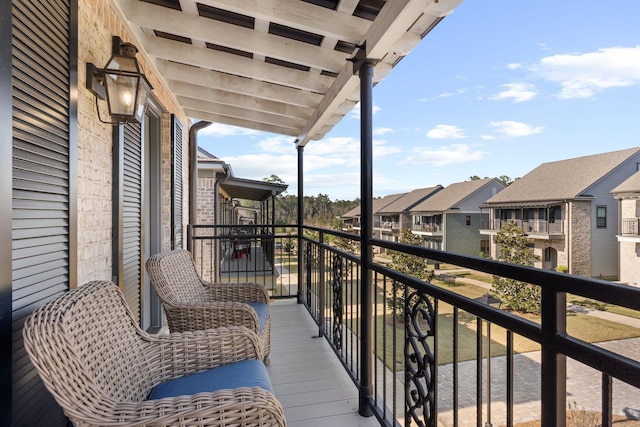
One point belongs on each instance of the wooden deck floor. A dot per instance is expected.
(308, 379)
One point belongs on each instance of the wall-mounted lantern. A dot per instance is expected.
(121, 84)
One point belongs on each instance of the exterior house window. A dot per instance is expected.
(484, 247)
(547, 254)
(601, 217)
(468, 219)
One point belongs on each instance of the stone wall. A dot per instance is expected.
(579, 233)
(98, 21)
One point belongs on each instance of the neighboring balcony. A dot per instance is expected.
(386, 225)
(429, 229)
(535, 228)
(630, 226)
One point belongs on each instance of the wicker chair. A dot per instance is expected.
(103, 369)
(192, 304)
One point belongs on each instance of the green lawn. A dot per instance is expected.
(582, 326)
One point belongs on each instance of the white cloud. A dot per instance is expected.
(382, 131)
(446, 132)
(515, 129)
(260, 165)
(336, 146)
(487, 137)
(277, 144)
(381, 148)
(454, 153)
(220, 130)
(459, 91)
(514, 66)
(518, 92)
(355, 111)
(582, 75)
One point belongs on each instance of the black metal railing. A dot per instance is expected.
(241, 253)
(438, 356)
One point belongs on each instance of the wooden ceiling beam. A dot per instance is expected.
(235, 84)
(218, 96)
(233, 64)
(235, 37)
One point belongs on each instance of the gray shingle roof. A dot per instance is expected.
(452, 195)
(630, 185)
(376, 205)
(564, 179)
(409, 200)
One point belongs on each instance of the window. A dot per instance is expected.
(547, 254)
(601, 217)
(484, 247)
(468, 219)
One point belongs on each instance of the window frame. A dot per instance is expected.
(601, 221)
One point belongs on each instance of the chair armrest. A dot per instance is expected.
(246, 291)
(240, 406)
(193, 316)
(177, 354)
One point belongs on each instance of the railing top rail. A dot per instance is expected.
(609, 292)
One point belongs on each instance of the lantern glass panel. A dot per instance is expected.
(121, 92)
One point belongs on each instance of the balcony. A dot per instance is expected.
(536, 229)
(430, 229)
(386, 225)
(630, 226)
(439, 358)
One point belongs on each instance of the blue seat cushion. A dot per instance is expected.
(246, 373)
(262, 310)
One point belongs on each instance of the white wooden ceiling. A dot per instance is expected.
(279, 66)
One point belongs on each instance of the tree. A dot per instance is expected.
(515, 247)
(412, 265)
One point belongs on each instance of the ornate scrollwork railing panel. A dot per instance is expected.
(420, 381)
(337, 301)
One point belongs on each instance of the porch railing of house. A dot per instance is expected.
(246, 253)
(631, 226)
(530, 225)
(428, 227)
(425, 338)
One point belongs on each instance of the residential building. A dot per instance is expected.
(355, 214)
(628, 196)
(568, 210)
(391, 218)
(350, 219)
(451, 219)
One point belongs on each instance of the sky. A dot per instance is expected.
(497, 88)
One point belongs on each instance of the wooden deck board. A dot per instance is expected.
(308, 379)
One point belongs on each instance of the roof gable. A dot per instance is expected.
(630, 185)
(409, 200)
(453, 194)
(564, 179)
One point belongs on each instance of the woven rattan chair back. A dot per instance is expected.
(175, 278)
(88, 342)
